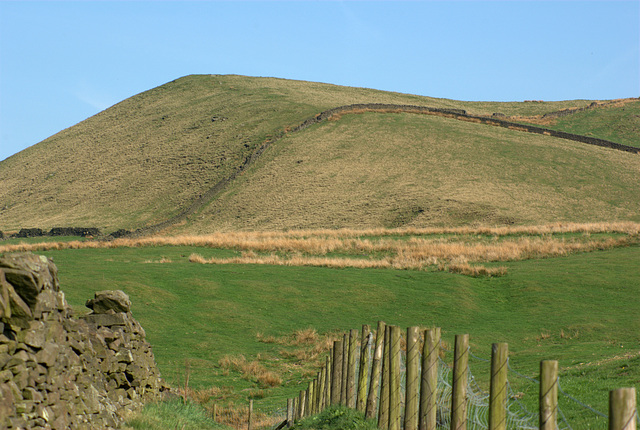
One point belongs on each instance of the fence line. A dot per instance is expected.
(429, 394)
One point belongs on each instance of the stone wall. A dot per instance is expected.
(55, 231)
(62, 372)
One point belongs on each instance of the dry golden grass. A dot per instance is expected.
(327, 240)
(416, 253)
(457, 250)
(250, 370)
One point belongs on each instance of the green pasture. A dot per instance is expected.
(581, 310)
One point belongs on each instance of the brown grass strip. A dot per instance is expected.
(324, 240)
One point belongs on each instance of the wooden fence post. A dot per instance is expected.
(289, 412)
(622, 409)
(310, 391)
(459, 392)
(327, 383)
(296, 408)
(361, 402)
(548, 395)
(413, 382)
(336, 373)
(428, 394)
(372, 397)
(345, 369)
(302, 403)
(351, 369)
(498, 387)
(250, 414)
(395, 395)
(321, 383)
(383, 409)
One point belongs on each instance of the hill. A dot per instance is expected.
(146, 159)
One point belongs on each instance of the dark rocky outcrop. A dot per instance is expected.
(59, 372)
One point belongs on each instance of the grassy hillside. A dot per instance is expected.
(148, 157)
(392, 170)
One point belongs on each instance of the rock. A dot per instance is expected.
(30, 393)
(48, 354)
(104, 301)
(33, 336)
(7, 404)
(19, 312)
(106, 320)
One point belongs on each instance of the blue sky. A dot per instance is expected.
(62, 62)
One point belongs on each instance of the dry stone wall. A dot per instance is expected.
(61, 372)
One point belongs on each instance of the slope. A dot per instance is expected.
(145, 159)
(393, 170)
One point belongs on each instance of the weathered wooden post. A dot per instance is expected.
(351, 369)
(336, 373)
(250, 414)
(321, 383)
(372, 397)
(289, 413)
(459, 392)
(548, 395)
(394, 380)
(428, 388)
(622, 409)
(498, 387)
(302, 403)
(310, 391)
(327, 383)
(296, 408)
(383, 409)
(345, 368)
(413, 382)
(361, 402)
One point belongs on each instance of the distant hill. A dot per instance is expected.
(150, 157)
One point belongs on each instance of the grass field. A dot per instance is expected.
(220, 320)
